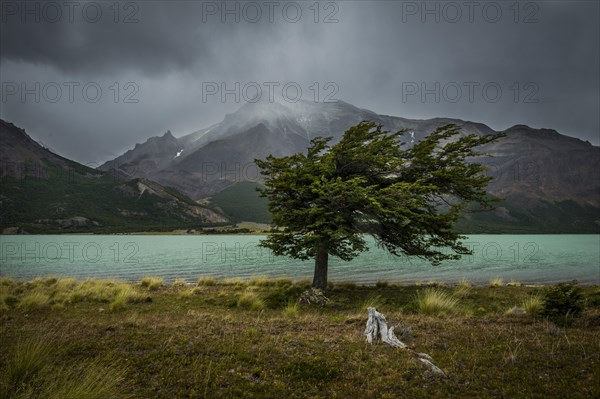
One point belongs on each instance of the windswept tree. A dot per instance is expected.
(324, 202)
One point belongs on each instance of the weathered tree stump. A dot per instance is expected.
(377, 324)
(314, 295)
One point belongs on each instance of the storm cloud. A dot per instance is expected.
(90, 79)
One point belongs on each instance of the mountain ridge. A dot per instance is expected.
(535, 171)
(42, 192)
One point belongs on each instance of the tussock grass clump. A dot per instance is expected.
(513, 283)
(185, 293)
(65, 284)
(533, 304)
(381, 284)
(7, 281)
(462, 289)
(207, 280)
(261, 281)
(250, 300)
(496, 282)
(94, 291)
(4, 293)
(236, 282)
(292, 309)
(152, 283)
(125, 294)
(26, 361)
(30, 373)
(179, 283)
(57, 293)
(90, 380)
(435, 301)
(34, 300)
(104, 291)
(283, 282)
(42, 282)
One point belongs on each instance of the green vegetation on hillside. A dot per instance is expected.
(252, 339)
(35, 203)
(241, 203)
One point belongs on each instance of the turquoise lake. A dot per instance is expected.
(526, 258)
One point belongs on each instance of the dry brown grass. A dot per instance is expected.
(205, 345)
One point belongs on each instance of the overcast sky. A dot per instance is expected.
(161, 65)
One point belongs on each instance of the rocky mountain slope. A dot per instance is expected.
(549, 181)
(43, 192)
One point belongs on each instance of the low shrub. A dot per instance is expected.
(561, 300)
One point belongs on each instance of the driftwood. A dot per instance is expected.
(377, 324)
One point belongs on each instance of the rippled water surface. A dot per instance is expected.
(526, 258)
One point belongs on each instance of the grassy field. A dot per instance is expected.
(63, 338)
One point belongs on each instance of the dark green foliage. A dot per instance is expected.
(564, 299)
(279, 297)
(593, 299)
(408, 199)
(241, 203)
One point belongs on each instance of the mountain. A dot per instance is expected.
(41, 191)
(207, 161)
(146, 158)
(548, 181)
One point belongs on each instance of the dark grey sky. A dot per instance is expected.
(391, 57)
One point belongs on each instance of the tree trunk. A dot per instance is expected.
(321, 261)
